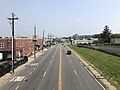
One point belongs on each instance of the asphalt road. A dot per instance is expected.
(54, 70)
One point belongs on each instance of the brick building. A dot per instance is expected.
(5, 48)
(23, 46)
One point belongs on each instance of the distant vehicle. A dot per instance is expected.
(68, 52)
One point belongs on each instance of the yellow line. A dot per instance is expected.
(60, 71)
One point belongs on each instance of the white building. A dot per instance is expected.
(115, 40)
(84, 41)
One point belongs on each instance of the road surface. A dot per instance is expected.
(54, 70)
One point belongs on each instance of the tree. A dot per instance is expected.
(76, 36)
(96, 36)
(115, 35)
(70, 40)
(105, 35)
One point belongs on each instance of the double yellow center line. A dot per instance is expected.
(60, 71)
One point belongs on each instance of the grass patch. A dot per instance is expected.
(108, 65)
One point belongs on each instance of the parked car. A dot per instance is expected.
(4, 68)
(2, 71)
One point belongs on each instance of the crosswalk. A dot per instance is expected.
(34, 64)
(17, 79)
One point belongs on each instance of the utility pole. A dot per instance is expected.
(48, 39)
(43, 40)
(48, 36)
(35, 40)
(13, 18)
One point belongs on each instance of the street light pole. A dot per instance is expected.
(13, 43)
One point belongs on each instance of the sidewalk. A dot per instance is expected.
(8, 76)
(93, 71)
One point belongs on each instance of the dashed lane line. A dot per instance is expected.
(44, 74)
(17, 87)
(75, 72)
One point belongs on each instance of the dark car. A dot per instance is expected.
(26, 58)
(68, 52)
(4, 68)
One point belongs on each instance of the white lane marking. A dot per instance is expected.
(17, 78)
(70, 61)
(75, 72)
(50, 61)
(12, 79)
(17, 87)
(34, 64)
(44, 74)
(25, 79)
(30, 72)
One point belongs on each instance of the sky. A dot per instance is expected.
(60, 17)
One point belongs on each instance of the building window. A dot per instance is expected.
(1, 45)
